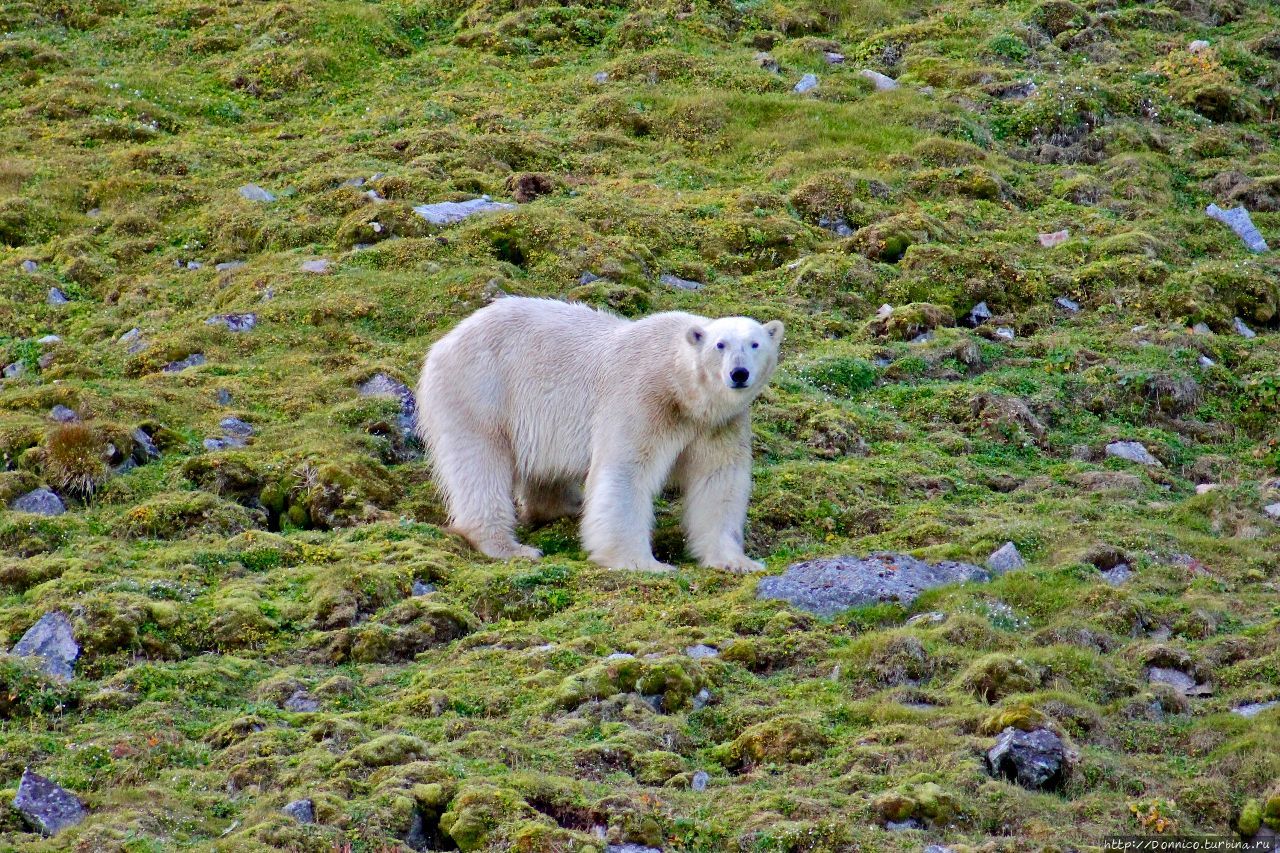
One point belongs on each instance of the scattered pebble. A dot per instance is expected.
(1238, 220)
(52, 641)
(446, 212)
(194, 360)
(1067, 304)
(600, 77)
(807, 83)
(1241, 329)
(1005, 558)
(318, 266)
(882, 82)
(56, 297)
(679, 283)
(46, 806)
(1054, 238)
(39, 502)
(1132, 451)
(253, 192)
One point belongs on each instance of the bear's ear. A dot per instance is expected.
(696, 335)
(775, 329)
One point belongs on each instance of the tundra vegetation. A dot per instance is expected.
(208, 248)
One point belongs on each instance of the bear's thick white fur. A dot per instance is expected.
(528, 398)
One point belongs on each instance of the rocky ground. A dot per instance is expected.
(229, 230)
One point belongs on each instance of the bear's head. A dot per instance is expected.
(737, 353)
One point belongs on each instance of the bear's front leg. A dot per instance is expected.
(715, 474)
(617, 522)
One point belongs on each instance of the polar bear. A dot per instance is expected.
(527, 399)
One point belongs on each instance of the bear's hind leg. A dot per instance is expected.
(542, 502)
(477, 475)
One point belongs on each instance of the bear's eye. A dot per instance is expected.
(755, 345)
(720, 345)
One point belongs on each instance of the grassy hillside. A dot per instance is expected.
(210, 585)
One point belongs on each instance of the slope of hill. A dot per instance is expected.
(209, 206)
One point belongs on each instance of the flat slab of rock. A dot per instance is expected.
(448, 212)
(679, 283)
(1036, 760)
(1253, 709)
(62, 414)
(831, 586)
(40, 502)
(1132, 451)
(1238, 220)
(48, 807)
(53, 643)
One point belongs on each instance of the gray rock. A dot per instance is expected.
(831, 586)
(194, 360)
(194, 265)
(420, 588)
(1253, 709)
(62, 415)
(237, 427)
(53, 642)
(882, 82)
(447, 212)
(588, 278)
(1118, 574)
(1132, 451)
(767, 62)
(1175, 678)
(619, 656)
(229, 266)
(702, 651)
(144, 448)
(353, 182)
(319, 266)
(600, 77)
(978, 315)
(16, 370)
(46, 806)
(679, 283)
(233, 322)
(303, 811)
(1241, 329)
(922, 338)
(382, 385)
(1198, 45)
(700, 780)
(1201, 329)
(301, 702)
(39, 502)
(833, 58)
(1005, 558)
(936, 848)
(631, 848)
(837, 226)
(1036, 760)
(130, 336)
(253, 192)
(1067, 304)
(44, 361)
(49, 340)
(933, 617)
(1017, 91)
(1205, 361)
(213, 445)
(807, 83)
(224, 397)
(1238, 220)
(701, 698)
(1272, 510)
(1054, 238)
(30, 266)
(56, 297)
(1004, 333)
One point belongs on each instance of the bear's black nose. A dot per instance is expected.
(739, 375)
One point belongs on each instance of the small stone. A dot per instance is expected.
(1175, 678)
(807, 83)
(56, 297)
(922, 338)
(39, 502)
(1118, 574)
(319, 266)
(1015, 91)
(978, 315)
(130, 336)
(30, 266)
(49, 340)
(233, 322)
(1006, 558)
(1201, 329)
(884, 312)
(902, 825)
(1205, 361)
(421, 588)
(701, 698)
(619, 656)
(63, 415)
(700, 780)
(223, 397)
(235, 426)
(1238, 220)
(600, 77)
(702, 651)
(194, 360)
(447, 212)
(767, 62)
(631, 848)
(1035, 760)
(832, 57)
(144, 447)
(936, 848)
(253, 192)
(194, 265)
(353, 182)
(229, 266)
(382, 385)
(1272, 510)
(1241, 329)
(1132, 451)
(588, 278)
(1054, 238)
(303, 811)
(882, 83)
(838, 226)
(46, 806)
(213, 445)
(301, 702)
(1205, 488)
(1253, 709)
(679, 283)
(377, 198)
(1005, 333)
(1067, 304)
(53, 642)
(16, 370)
(933, 617)
(1198, 45)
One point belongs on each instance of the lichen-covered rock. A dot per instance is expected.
(48, 807)
(52, 642)
(1034, 759)
(829, 587)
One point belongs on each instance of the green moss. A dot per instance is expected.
(782, 740)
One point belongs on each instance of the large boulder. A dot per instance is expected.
(48, 807)
(51, 641)
(1036, 759)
